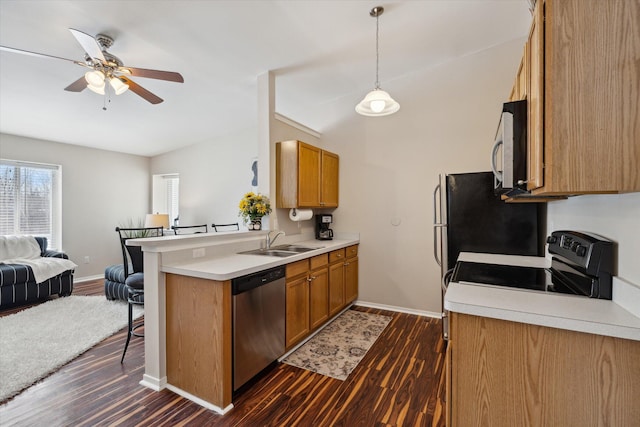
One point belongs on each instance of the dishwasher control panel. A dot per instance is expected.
(254, 280)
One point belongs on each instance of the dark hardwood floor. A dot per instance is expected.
(400, 382)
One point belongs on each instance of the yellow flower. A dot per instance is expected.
(254, 206)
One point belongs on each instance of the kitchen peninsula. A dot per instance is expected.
(188, 317)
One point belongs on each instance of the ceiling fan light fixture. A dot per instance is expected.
(377, 102)
(94, 78)
(118, 85)
(97, 89)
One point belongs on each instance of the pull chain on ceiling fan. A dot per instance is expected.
(106, 67)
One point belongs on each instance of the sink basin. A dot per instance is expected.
(295, 248)
(270, 252)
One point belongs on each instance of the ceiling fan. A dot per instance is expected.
(106, 68)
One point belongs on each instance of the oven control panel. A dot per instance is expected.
(591, 252)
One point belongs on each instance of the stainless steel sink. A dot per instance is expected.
(295, 248)
(270, 252)
(281, 251)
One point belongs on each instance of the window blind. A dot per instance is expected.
(29, 200)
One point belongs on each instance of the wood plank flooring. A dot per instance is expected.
(400, 382)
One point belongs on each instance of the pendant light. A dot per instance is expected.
(377, 102)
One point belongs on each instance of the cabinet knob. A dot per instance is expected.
(309, 279)
(347, 263)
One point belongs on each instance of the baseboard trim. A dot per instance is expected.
(153, 383)
(87, 278)
(399, 309)
(199, 401)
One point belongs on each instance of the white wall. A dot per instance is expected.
(100, 190)
(616, 217)
(214, 175)
(389, 167)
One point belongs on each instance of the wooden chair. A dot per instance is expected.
(190, 229)
(132, 259)
(226, 227)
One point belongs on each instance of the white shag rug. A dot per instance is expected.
(39, 340)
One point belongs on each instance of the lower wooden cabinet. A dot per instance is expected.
(318, 288)
(503, 373)
(336, 287)
(297, 320)
(307, 300)
(318, 297)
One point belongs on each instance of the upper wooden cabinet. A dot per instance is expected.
(581, 84)
(306, 176)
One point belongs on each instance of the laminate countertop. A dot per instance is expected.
(232, 265)
(617, 318)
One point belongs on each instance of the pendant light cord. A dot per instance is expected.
(377, 51)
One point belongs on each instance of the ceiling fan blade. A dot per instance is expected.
(153, 74)
(41, 55)
(139, 90)
(77, 86)
(89, 44)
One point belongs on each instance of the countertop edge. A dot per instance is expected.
(468, 299)
(252, 265)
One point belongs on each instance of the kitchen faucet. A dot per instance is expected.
(270, 240)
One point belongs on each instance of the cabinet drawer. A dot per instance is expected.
(352, 251)
(336, 255)
(297, 268)
(318, 261)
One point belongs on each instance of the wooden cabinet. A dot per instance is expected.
(343, 278)
(306, 176)
(318, 288)
(582, 98)
(330, 164)
(198, 337)
(297, 320)
(505, 373)
(307, 301)
(318, 297)
(351, 274)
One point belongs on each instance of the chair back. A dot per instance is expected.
(132, 255)
(226, 227)
(190, 229)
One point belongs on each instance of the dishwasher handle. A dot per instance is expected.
(255, 280)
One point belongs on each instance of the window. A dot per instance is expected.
(30, 196)
(166, 195)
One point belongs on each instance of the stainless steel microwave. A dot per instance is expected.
(509, 154)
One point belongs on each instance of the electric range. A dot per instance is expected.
(582, 264)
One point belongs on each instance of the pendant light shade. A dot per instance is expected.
(377, 102)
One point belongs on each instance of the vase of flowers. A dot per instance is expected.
(252, 208)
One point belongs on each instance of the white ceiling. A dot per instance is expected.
(320, 51)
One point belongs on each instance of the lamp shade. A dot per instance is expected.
(377, 103)
(157, 220)
(118, 85)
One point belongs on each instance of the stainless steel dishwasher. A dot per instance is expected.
(258, 322)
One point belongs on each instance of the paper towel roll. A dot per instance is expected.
(300, 214)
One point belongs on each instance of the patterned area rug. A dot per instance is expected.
(340, 346)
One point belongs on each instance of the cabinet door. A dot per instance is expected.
(535, 104)
(350, 280)
(297, 326)
(330, 179)
(336, 288)
(319, 297)
(308, 175)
